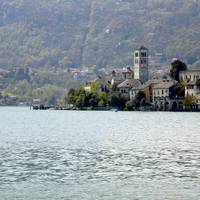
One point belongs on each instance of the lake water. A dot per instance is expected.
(71, 155)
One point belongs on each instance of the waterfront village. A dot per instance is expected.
(134, 90)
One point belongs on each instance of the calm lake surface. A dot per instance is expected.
(66, 155)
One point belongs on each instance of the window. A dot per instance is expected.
(144, 54)
(190, 87)
(162, 92)
(136, 55)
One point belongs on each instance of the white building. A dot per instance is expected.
(189, 75)
(164, 96)
(191, 78)
(126, 86)
(192, 88)
(162, 89)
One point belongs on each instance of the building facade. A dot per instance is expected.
(127, 73)
(147, 88)
(165, 97)
(189, 75)
(191, 80)
(126, 86)
(192, 88)
(141, 64)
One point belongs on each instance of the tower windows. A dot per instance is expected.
(144, 54)
(141, 64)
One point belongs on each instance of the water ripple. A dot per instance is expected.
(60, 164)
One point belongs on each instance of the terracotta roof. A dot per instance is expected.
(153, 81)
(129, 83)
(148, 83)
(165, 85)
(140, 87)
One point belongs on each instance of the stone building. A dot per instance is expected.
(189, 75)
(141, 64)
(147, 88)
(127, 73)
(140, 75)
(126, 86)
(191, 79)
(165, 97)
(104, 84)
(192, 88)
(128, 82)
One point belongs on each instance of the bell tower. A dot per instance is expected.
(141, 64)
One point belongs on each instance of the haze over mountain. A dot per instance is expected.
(74, 33)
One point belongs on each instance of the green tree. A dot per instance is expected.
(95, 87)
(176, 67)
(129, 105)
(139, 99)
(180, 89)
(117, 101)
(103, 99)
(189, 101)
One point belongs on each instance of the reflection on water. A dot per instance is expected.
(99, 155)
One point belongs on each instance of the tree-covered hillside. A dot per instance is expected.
(96, 32)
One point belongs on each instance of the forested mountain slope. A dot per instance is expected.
(74, 33)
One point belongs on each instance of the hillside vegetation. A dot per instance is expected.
(74, 33)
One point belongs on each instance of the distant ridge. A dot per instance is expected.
(102, 33)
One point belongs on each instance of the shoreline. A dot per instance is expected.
(58, 108)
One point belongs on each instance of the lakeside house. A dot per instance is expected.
(126, 86)
(147, 88)
(191, 78)
(189, 75)
(165, 97)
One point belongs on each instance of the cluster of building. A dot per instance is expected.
(160, 93)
